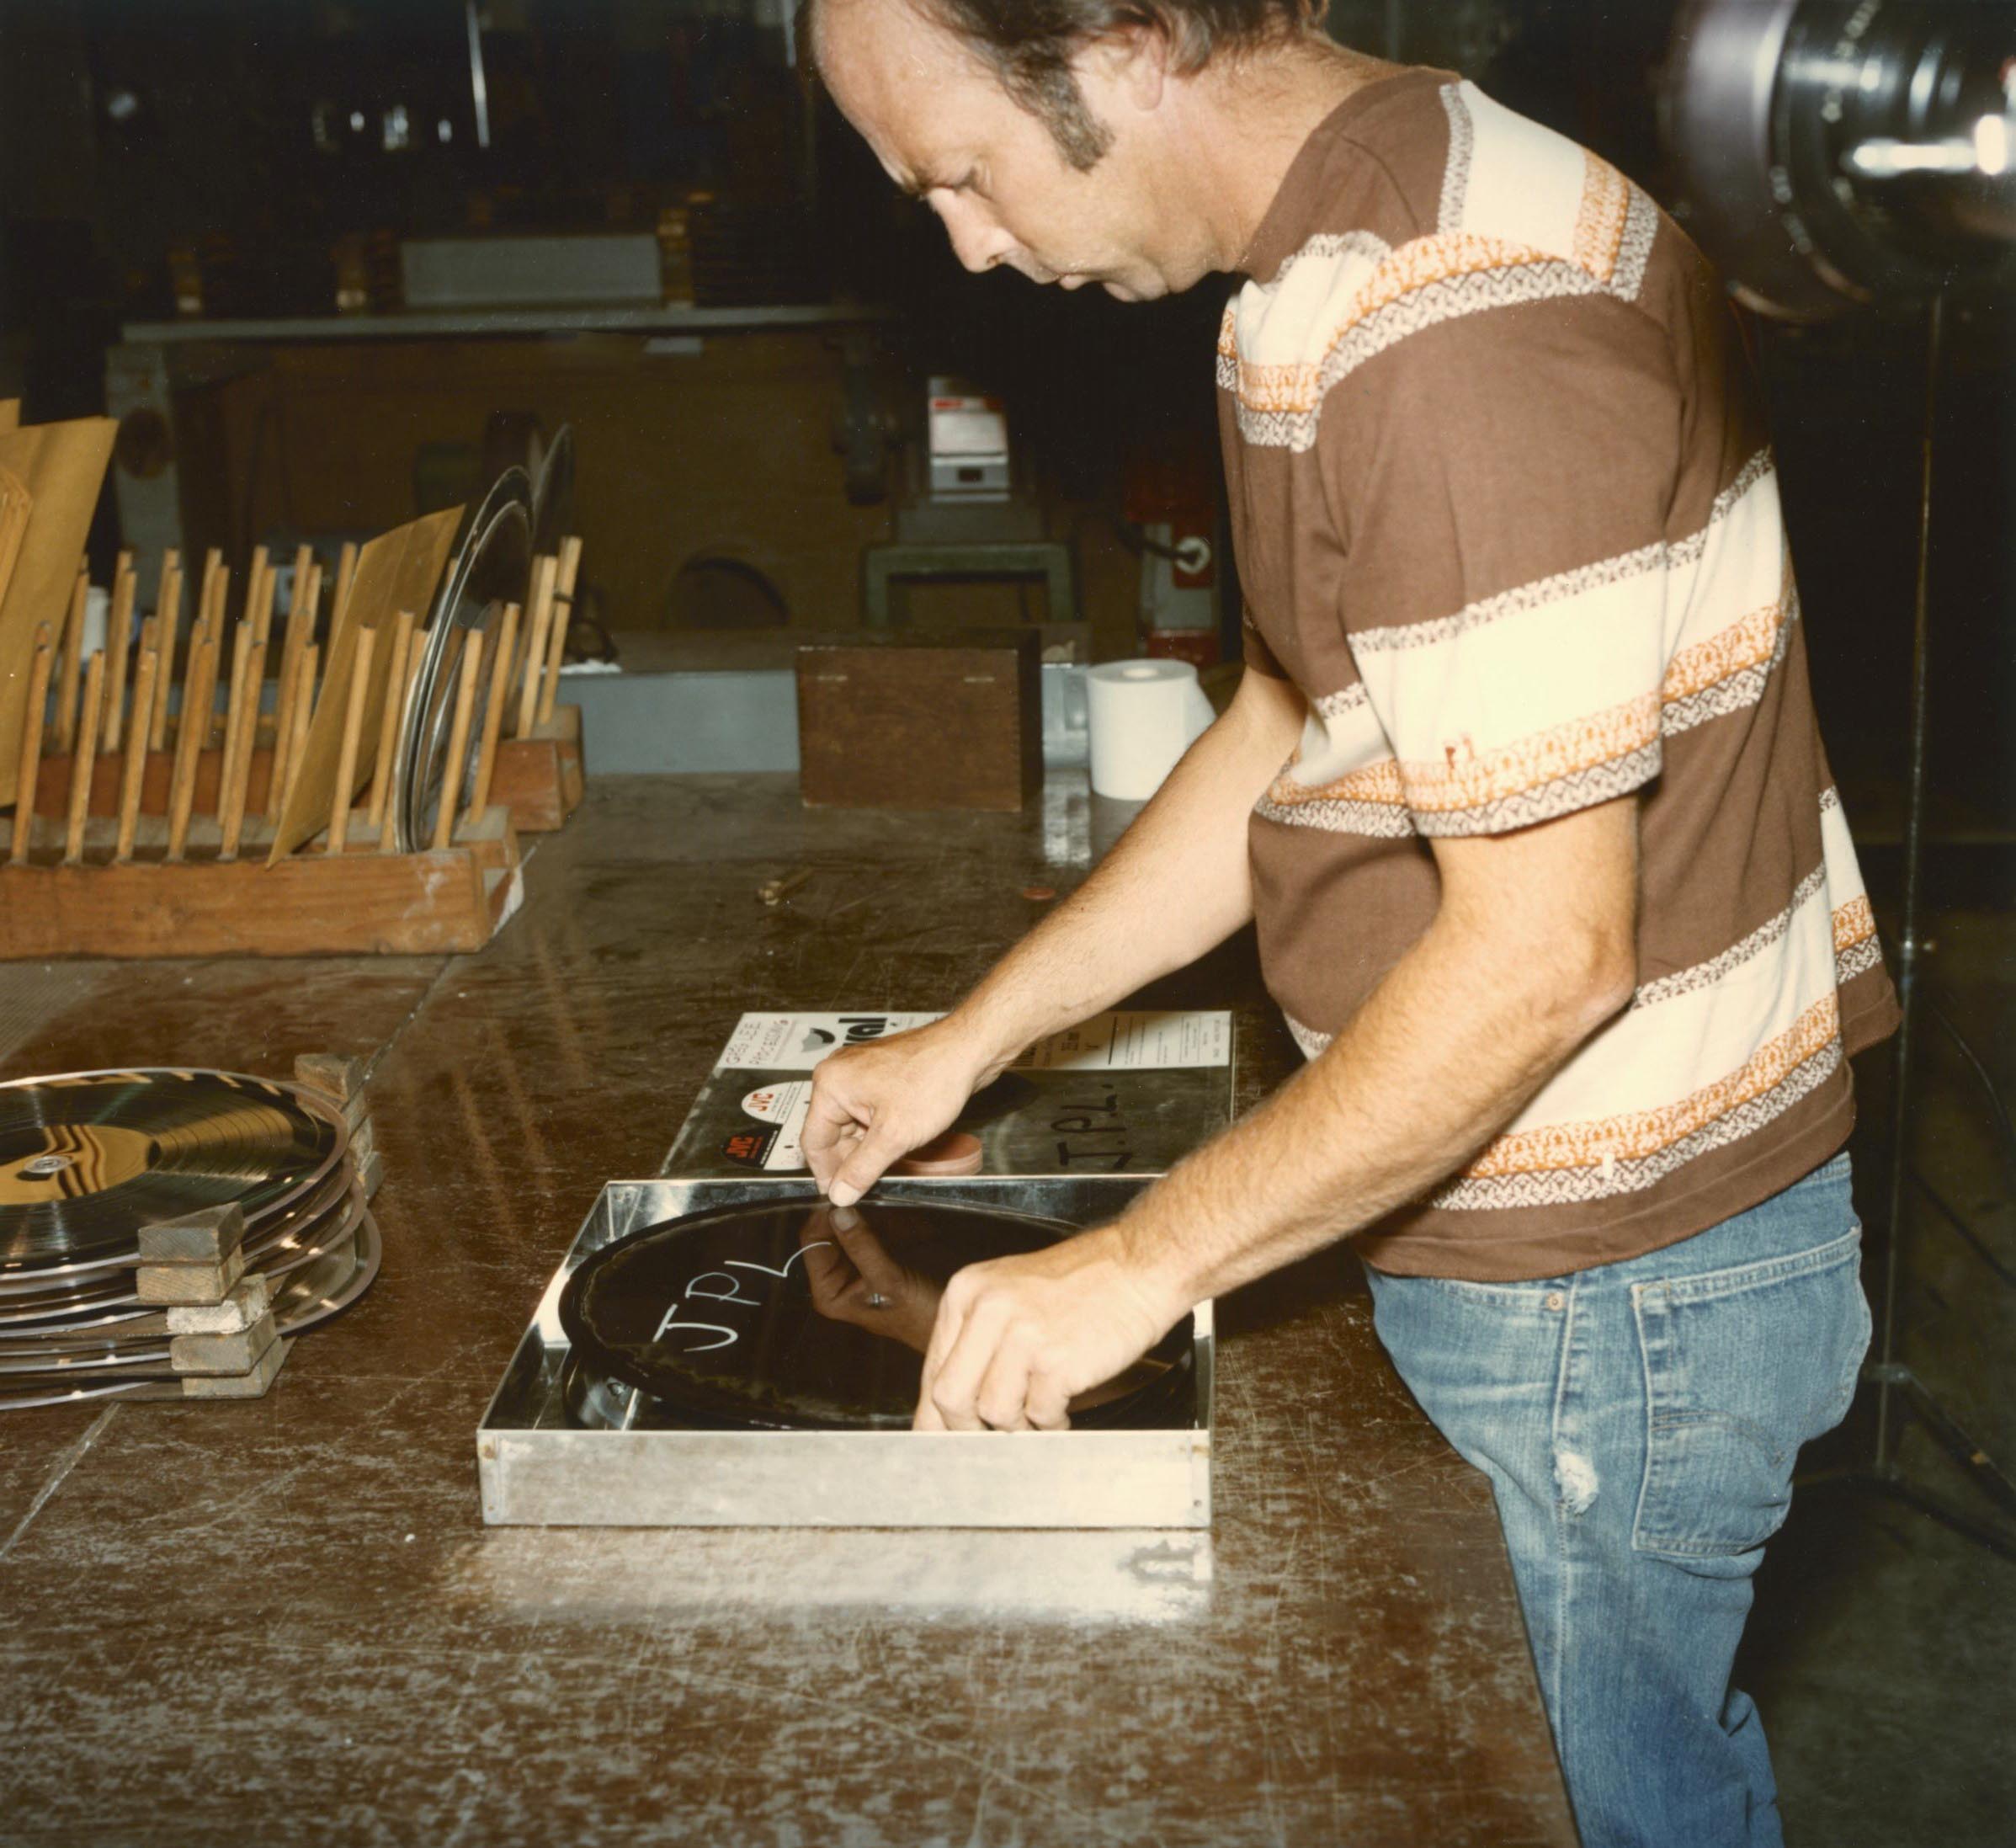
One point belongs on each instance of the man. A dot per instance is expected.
(1553, 887)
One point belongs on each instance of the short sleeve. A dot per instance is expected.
(1504, 481)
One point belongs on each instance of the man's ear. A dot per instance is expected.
(1130, 64)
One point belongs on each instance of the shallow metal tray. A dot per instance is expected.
(540, 1469)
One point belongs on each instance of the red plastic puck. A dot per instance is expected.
(954, 1153)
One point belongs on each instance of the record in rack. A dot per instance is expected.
(87, 1158)
(799, 1316)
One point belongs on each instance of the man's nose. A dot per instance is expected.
(978, 240)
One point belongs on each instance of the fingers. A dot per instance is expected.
(1005, 1388)
(1010, 1395)
(830, 1121)
(1046, 1404)
(847, 1141)
(976, 1371)
(944, 1336)
(865, 1164)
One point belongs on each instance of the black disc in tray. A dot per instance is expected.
(86, 1160)
(793, 1315)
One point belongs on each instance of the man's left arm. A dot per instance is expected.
(1531, 950)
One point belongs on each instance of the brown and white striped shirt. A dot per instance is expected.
(1506, 514)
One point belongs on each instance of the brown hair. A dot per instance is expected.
(1030, 44)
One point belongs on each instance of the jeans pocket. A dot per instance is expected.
(1741, 1366)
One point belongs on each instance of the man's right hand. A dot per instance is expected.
(872, 1105)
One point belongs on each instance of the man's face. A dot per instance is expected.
(945, 129)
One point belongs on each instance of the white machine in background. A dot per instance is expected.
(966, 442)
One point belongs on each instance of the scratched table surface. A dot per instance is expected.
(284, 1622)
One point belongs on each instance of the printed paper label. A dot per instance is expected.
(797, 1043)
(787, 1106)
(1141, 1040)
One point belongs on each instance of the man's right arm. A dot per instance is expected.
(1176, 886)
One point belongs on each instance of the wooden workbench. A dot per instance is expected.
(284, 1622)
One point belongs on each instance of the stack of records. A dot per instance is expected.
(89, 1159)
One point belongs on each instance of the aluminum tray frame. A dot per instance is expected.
(538, 1469)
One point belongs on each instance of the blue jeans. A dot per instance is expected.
(1638, 1422)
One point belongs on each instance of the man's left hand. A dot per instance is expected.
(1018, 1339)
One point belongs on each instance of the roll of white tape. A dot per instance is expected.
(1143, 716)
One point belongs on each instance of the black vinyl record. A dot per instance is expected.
(88, 1159)
(796, 1316)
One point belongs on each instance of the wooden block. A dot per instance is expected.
(309, 904)
(370, 1175)
(252, 1385)
(363, 1141)
(250, 1299)
(156, 781)
(172, 1285)
(206, 1237)
(334, 1074)
(913, 721)
(235, 1353)
(531, 780)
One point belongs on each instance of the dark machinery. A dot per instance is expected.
(1846, 153)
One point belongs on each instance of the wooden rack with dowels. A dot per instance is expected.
(154, 772)
(537, 768)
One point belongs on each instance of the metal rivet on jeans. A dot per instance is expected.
(1555, 1299)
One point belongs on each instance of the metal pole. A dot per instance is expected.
(1909, 945)
(479, 81)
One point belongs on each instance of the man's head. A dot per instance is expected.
(1040, 130)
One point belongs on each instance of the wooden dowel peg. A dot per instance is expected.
(258, 611)
(300, 622)
(493, 709)
(136, 776)
(300, 636)
(386, 766)
(230, 806)
(235, 704)
(168, 620)
(171, 561)
(84, 758)
(568, 576)
(253, 572)
(455, 771)
(544, 571)
(207, 590)
(208, 609)
(41, 663)
(199, 691)
(220, 596)
(563, 614)
(283, 723)
(346, 576)
(119, 644)
(388, 834)
(353, 732)
(304, 557)
(73, 661)
(304, 708)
